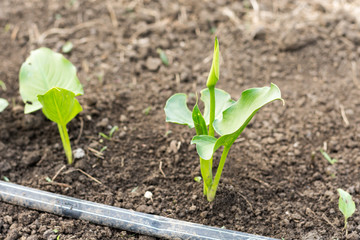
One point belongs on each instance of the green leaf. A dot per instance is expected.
(199, 122)
(176, 110)
(346, 204)
(3, 104)
(67, 47)
(204, 145)
(197, 179)
(327, 157)
(3, 85)
(43, 70)
(239, 114)
(113, 130)
(163, 57)
(215, 70)
(60, 105)
(222, 101)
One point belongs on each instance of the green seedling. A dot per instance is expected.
(328, 158)
(221, 115)
(164, 59)
(6, 179)
(103, 149)
(197, 179)
(61, 106)
(111, 133)
(147, 110)
(346, 206)
(3, 104)
(43, 70)
(49, 81)
(67, 47)
(3, 85)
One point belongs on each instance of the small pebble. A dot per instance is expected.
(148, 194)
(192, 208)
(79, 153)
(123, 118)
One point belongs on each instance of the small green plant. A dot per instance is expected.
(328, 158)
(221, 115)
(147, 110)
(164, 59)
(61, 106)
(67, 47)
(3, 104)
(111, 133)
(49, 81)
(346, 206)
(3, 85)
(197, 179)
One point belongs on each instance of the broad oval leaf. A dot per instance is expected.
(3, 104)
(346, 204)
(204, 146)
(43, 70)
(60, 105)
(176, 110)
(239, 114)
(222, 101)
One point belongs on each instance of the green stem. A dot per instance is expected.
(206, 173)
(66, 142)
(346, 229)
(212, 192)
(212, 111)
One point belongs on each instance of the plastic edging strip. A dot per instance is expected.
(124, 219)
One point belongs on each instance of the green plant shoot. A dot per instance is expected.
(111, 133)
(346, 206)
(3, 104)
(61, 106)
(328, 158)
(221, 115)
(48, 80)
(43, 70)
(164, 59)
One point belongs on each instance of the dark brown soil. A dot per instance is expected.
(275, 182)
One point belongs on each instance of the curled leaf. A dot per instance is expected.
(199, 122)
(215, 70)
(222, 101)
(176, 110)
(239, 114)
(204, 146)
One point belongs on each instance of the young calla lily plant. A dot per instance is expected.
(61, 106)
(222, 115)
(48, 81)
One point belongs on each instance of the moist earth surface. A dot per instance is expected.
(275, 182)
